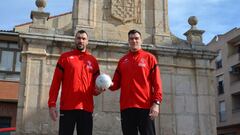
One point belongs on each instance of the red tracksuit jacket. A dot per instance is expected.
(76, 71)
(138, 76)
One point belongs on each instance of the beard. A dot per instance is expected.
(80, 47)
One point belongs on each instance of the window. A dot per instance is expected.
(220, 88)
(222, 111)
(6, 61)
(219, 59)
(220, 85)
(18, 63)
(218, 64)
(10, 65)
(4, 123)
(3, 44)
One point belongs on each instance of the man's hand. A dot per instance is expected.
(53, 113)
(154, 111)
(99, 90)
(111, 85)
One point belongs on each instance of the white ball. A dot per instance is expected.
(103, 81)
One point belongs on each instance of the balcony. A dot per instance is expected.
(235, 87)
(236, 102)
(236, 68)
(236, 107)
(234, 48)
(234, 59)
(235, 73)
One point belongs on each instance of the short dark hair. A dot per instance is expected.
(133, 32)
(81, 32)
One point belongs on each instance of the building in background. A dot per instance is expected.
(227, 75)
(9, 78)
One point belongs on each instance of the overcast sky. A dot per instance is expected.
(214, 16)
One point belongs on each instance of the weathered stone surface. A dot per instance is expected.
(203, 105)
(181, 85)
(185, 104)
(166, 106)
(106, 123)
(167, 81)
(168, 125)
(186, 125)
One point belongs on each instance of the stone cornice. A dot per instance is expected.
(173, 51)
(51, 37)
(184, 52)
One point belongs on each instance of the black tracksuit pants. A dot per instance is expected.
(136, 120)
(81, 119)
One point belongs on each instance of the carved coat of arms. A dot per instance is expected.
(126, 10)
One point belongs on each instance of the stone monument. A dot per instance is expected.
(188, 106)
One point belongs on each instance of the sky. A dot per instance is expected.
(214, 16)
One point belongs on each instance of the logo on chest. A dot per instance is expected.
(125, 60)
(89, 65)
(142, 62)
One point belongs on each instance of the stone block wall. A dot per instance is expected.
(188, 98)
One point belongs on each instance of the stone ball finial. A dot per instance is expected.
(40, 4)
(192, 20)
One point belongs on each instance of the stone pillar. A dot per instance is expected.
(31, 103)
(38, 65)
(194, 35)
(161, 34)
(39, 18)
(38, 57)
(205, 97)
(83, 15)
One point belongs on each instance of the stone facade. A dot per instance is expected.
(112, 19)
(188, 106)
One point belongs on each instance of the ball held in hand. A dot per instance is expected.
(103, 81)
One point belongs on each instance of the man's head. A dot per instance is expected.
(134, 40)
(81, 40)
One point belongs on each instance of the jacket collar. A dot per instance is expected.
(76, 51)
(135, 53)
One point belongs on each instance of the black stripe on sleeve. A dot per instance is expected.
(154, 67)
(96, 73)
(60, 67)
(118, 72)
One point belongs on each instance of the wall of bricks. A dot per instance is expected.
(9, 91)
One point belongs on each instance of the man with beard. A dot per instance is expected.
(76, 72)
